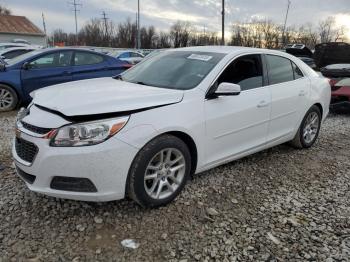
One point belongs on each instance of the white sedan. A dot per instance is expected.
(180, 112)
(132, 57)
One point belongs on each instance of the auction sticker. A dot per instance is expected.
(200, 57)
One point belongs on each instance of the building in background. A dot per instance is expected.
(19, 27)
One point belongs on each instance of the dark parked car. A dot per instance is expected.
(41, 68)
(303, 53)
(339, 75)
(332, 53)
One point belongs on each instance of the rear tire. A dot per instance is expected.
(159, 171)
(8, 98)
(309, 129)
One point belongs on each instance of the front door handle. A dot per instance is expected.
(263, 104)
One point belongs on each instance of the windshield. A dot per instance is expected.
(23, 57)
(181, 70)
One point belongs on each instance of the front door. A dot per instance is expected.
(49, 69)
(238, 124)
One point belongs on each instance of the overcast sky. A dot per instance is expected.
(162, 13)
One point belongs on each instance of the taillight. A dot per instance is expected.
(332, 83)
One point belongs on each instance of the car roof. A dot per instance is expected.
(224, 49)
(14, 44)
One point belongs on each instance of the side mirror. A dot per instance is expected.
(228, 89)
(25, 66)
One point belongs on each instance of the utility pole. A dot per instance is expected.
(44, 26)
(285, 24)
(223, 23)
(105, 18)
(138, 26)
(136, 34)
(76, 10)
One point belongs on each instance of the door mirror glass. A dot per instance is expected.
(25, 66)
(228, 89)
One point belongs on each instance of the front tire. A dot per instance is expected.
(8, 98)
(309, 129)
(159, 171)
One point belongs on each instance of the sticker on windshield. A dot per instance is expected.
(200, 57)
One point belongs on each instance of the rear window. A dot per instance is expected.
(85, 58)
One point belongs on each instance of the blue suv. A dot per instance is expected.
(46, 67)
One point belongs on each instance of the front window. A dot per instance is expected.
(56, 59)
(245, 71)
(181, 70)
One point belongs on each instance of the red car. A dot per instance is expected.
(339, 75)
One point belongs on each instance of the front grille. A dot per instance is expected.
(26, 150)
(36, 129)
(25, 176)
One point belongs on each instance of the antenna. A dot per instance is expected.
(75, 10)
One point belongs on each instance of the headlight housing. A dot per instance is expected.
(87, 134)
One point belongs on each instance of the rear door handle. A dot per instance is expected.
(302, 93)
(263, 104)
(66, 73)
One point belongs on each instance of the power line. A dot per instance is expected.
(76, 10)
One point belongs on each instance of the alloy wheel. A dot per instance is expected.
(6, 99)
(164, 173)
(311, 126)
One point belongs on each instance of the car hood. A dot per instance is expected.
(102, 96)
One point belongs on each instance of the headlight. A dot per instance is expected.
(87, 134)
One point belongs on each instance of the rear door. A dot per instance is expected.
(238, 124)
(289, 91)
(48, 69)
(88, 65)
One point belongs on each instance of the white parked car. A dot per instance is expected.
(9, 53)
(10, 45)
(179, 112)
(132, 57)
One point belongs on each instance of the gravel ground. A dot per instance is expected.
(278, 205)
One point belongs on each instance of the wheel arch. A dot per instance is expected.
(320, 107)
(188, 140)
(19, 95)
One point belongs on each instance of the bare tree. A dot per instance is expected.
(326, 29)
(4, 11)
(181, 33)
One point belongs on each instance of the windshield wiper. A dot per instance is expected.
(118, 77)
(141, 83)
